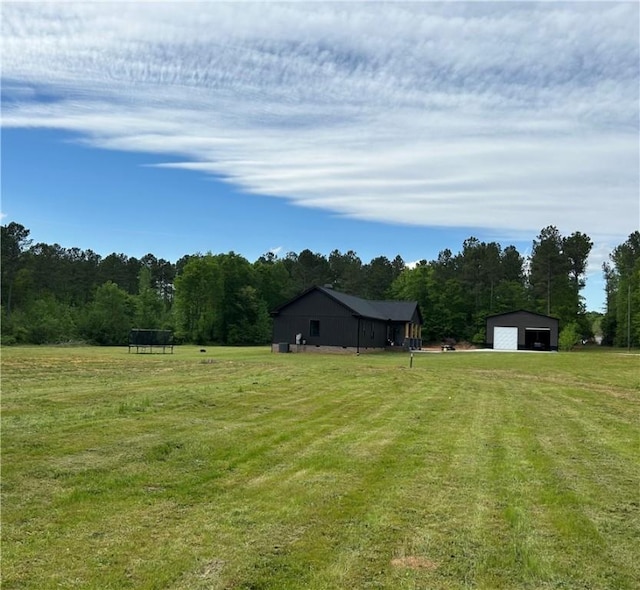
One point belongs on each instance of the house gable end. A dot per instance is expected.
(315, 303)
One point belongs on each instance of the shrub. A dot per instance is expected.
(569, 337)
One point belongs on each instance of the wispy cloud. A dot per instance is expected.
(502, 116)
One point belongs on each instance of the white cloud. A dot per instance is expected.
(500, 116)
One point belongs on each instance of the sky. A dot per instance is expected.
(388, 129)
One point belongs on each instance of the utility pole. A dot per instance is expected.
(629, 316)
(549, 286)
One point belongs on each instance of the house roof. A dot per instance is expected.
(396, 311)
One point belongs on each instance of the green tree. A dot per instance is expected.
(510, 293)
(450, 313)
(509, 296)
(49, 321)
(478, 268)
(576, 248)
(548, 274)
(81, 275)
(14, 241)
(237, 273)
(512, 265)
(253, 324)
(413, 284)
(273, 281)
(109, 317)
(50, 271)
(569, 336)
(216, 301)
(346, 272)
(162, 276)
(609, 321)
(416, 284)
(120, 269)
(398, 265)
(556, 275)
(378, 277)
(622, 319)
(309, 269)
(149, 307)
(199, 290)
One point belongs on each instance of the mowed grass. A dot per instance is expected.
(243, 469)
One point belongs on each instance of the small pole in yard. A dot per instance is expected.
(411, 361)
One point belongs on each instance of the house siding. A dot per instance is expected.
(345, 323)
(338, 326)
(327, 349)
(336, 322)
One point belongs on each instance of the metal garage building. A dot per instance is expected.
(522, 330)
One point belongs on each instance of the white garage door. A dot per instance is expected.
(505, 338)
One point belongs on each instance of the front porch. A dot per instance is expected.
(405, 335)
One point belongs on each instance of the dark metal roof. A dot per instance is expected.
(359, 306)
(396, 311)
(495, 315)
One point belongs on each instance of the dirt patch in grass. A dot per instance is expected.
(212, 569)
(414, 562)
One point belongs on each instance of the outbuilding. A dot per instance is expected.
(323, 319)
(522, 330)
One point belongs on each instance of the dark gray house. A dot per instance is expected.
(522, 330)
(322, 319)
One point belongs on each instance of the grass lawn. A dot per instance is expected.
(243, 469)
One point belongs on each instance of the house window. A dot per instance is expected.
(314, 328)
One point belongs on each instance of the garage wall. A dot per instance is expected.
(521, 320)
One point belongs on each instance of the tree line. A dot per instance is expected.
(52, 294)
(621, 323)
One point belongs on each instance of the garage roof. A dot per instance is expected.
(522, 311)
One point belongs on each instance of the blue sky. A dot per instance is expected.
(383, 128)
